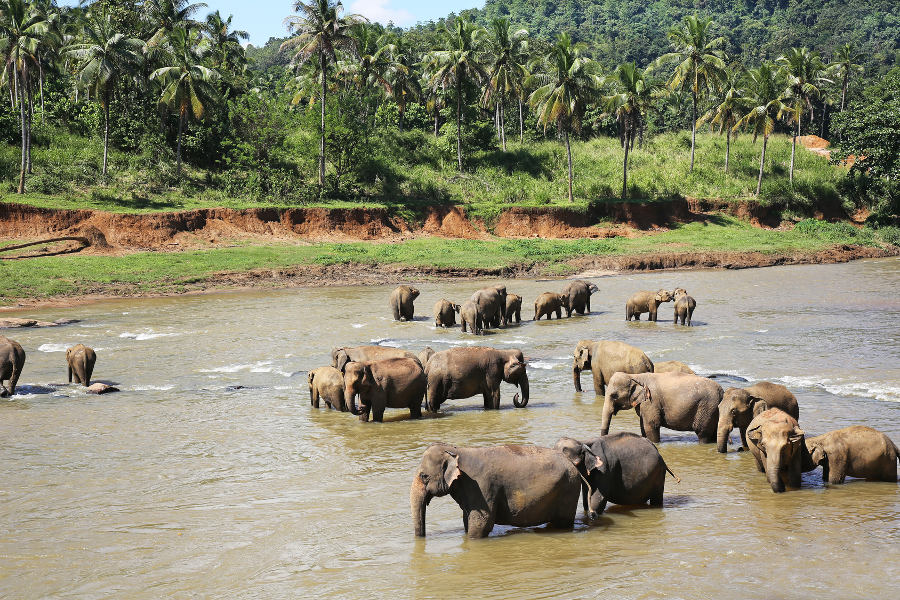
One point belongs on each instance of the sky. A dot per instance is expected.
(263, 19)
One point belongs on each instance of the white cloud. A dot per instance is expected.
(380, 11)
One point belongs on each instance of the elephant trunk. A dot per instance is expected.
(418, 500)
(576, 377)
(523, 386)
(722, 435)
(350, 399)
(607, 415)
(773, 474)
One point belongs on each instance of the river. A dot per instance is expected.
(184, 484)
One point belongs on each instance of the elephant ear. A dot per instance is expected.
(574, 451)
(755, 436)
(592, 462)
(341, 360)
(796, 435)
(451, 469)
(758, 405)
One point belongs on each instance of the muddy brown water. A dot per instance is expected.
(185, 485)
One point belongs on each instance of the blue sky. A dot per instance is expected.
(263, 19)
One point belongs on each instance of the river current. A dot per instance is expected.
(211, 475)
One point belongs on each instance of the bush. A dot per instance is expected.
(836, 232)
(889, 235)
(46, 183)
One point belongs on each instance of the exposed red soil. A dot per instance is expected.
(451, 221)
(558, 223)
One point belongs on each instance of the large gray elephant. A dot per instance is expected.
(550, 302)
(740, 405)
(684, 306)
(491, 302)
(445, 313)
(12, 359)
(81, 360)
(674, 400)
(605, 358)
(341, 356)
(776, 442)
(381, 384)
(856, 451)
(470, 317)
(579, 296)
(672, 366)
(465, 372)
(622, 468)
(327, 383)
(402, 299)
(645, 302)
(522, 486)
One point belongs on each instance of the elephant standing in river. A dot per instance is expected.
(81, 360)
(673, 400)
(445, 313)
(522, 486)
(327, 383)
(645, 302)
(604, 359)
(470, 317)
(856, 451)
(776, 442)
(466, 372)
(549, 303)
(491, 303)
(672, 366)
(740, 405)
(513, 308)
(402, 299)
(12, 359)
(579, 293)
(341, 356)
(684, 306)
(388, 383)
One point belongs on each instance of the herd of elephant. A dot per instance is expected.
(80, 361)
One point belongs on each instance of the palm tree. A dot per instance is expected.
(727, 112)
(164, 16)
(845, 64)
(187, 85)
(103, 58)
(457, 64)
(701, 62)
(225, 42)
(765, 104)
(805, 72)
(565, 90)
(630, 99)
(321, 32)
(401, 74)
(508, 55)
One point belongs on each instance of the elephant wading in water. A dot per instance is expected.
(740, 405)
(672, 366)
(491, 303)
(684, 306)
(522, 486)
(579, 293)
(341, 356)
(673, 400)
(12, 359)
(604, 359)
(327, 383)
(645, 302)
(513, 308)
(380, 384)
(445, 313)
(549, 303)
(470, 318)
(402, 299)
(622, 468)
(856, 451)
(465, 372)
(81, 361)
(776, 442)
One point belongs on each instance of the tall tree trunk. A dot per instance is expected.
(727, 147)
(322, 63)
(793, 152)
(180, 126)
(762, 160)
(29, 111)
(625, 164)
(521, 123)
(844, 89)
(503, 125)
(497, 122)
(436, 117)
(401, 117)
(693, 126)
(569, 153)
(41, 84)
(824, 118)
(105, 130)
(458, 123)
(22, 117)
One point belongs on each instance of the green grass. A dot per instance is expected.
(168, 272)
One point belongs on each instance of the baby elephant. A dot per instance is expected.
(81, 361)
(513, 308)
(776, 442)
(548, 303)
(402, 299)
(622, 468)
(740, 405)
(471, 318)
(684, 306)
(645, 302)
(445, 313)
(857, 451)
(12, 359)
(327, 383)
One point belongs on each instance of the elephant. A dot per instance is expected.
(604, 359)
(470, 317)
(12, 359)
(684, 306)
(513, 308)
(445, 313)
(776, 442)
(81, 360)
(740, 405)
(645, 302)
(522, 486)
(387, 383)
(341, 356)
(491, 302)
(622, 468)
(672, 366)
(579, 296)
(425, 355)
(464, 372)
(327, 383)
(857, 451)
(402, 299)
(551, 302)
(674, 400)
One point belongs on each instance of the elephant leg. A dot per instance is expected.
(314, 397)
(656, 498)
(495, 397)
(564, 522)
(396, 311)
(652, 432)
(415, 410)
(478, 523)
(559, 313)
(518, 316)
(378, 414)
(488, 400)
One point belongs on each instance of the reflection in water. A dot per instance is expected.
(210, 474)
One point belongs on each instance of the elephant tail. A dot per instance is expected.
(677, 478)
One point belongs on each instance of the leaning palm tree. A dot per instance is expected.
(765, 104)
(564, 91)
(700, 63)
(845, 63)
(103, 58)
(507, 51)
(805, 73)
(320, 32)
(727, 112)
(187, 85)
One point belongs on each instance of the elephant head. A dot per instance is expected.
(514, 373)
(592, 288)
(425, 355)
(737, 409)
(678, 293)
(589, 465)
(817, 454)
(501, 289)
(358, 380)
(339, 358)
(779, 441)
(622, 392)
(663, 296)
(439, 470)
(581, 362)
(413, 293)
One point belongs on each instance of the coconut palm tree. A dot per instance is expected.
(104, 57)
(845, 63)
(565, 88)
(187, 85)
(320, 32)
(805, 73)
(401, 73)
(700, 63)
(727, 112)
(764, 103)
(164, 16)
(508, 55)
(225, 43)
